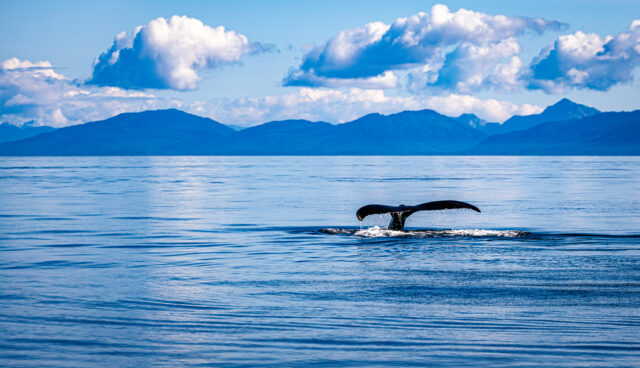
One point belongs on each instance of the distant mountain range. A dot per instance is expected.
(10, 132)
(564, 109)
(158, 132)
(565, 128)
(610, 133)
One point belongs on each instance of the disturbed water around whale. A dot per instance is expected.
(260, 261)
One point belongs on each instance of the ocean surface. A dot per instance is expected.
(260, 261)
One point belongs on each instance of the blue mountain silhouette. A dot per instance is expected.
(564, 109)
(158, 132)
(10, 132)
(610, 133)
(565, 128)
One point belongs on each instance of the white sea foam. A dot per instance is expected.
(332, 230)
(480, 232)
(377, 232)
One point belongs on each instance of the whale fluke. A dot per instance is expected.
(400, 213)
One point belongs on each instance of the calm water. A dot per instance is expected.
(260, 261)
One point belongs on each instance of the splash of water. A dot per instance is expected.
(377, 232)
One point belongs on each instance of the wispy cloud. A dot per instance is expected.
(35, 91)
(169, 54)
(343, 105)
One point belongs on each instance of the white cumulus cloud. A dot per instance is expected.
(35, 91)
(423, 41)
(169, 54)
(587, 61)
(470, 68)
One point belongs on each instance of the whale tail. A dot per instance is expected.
(400, 213)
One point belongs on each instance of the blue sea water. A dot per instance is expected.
(260, 261)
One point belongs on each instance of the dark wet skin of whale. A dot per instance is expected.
(400, 213)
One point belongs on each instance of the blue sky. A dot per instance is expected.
(67, 62)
